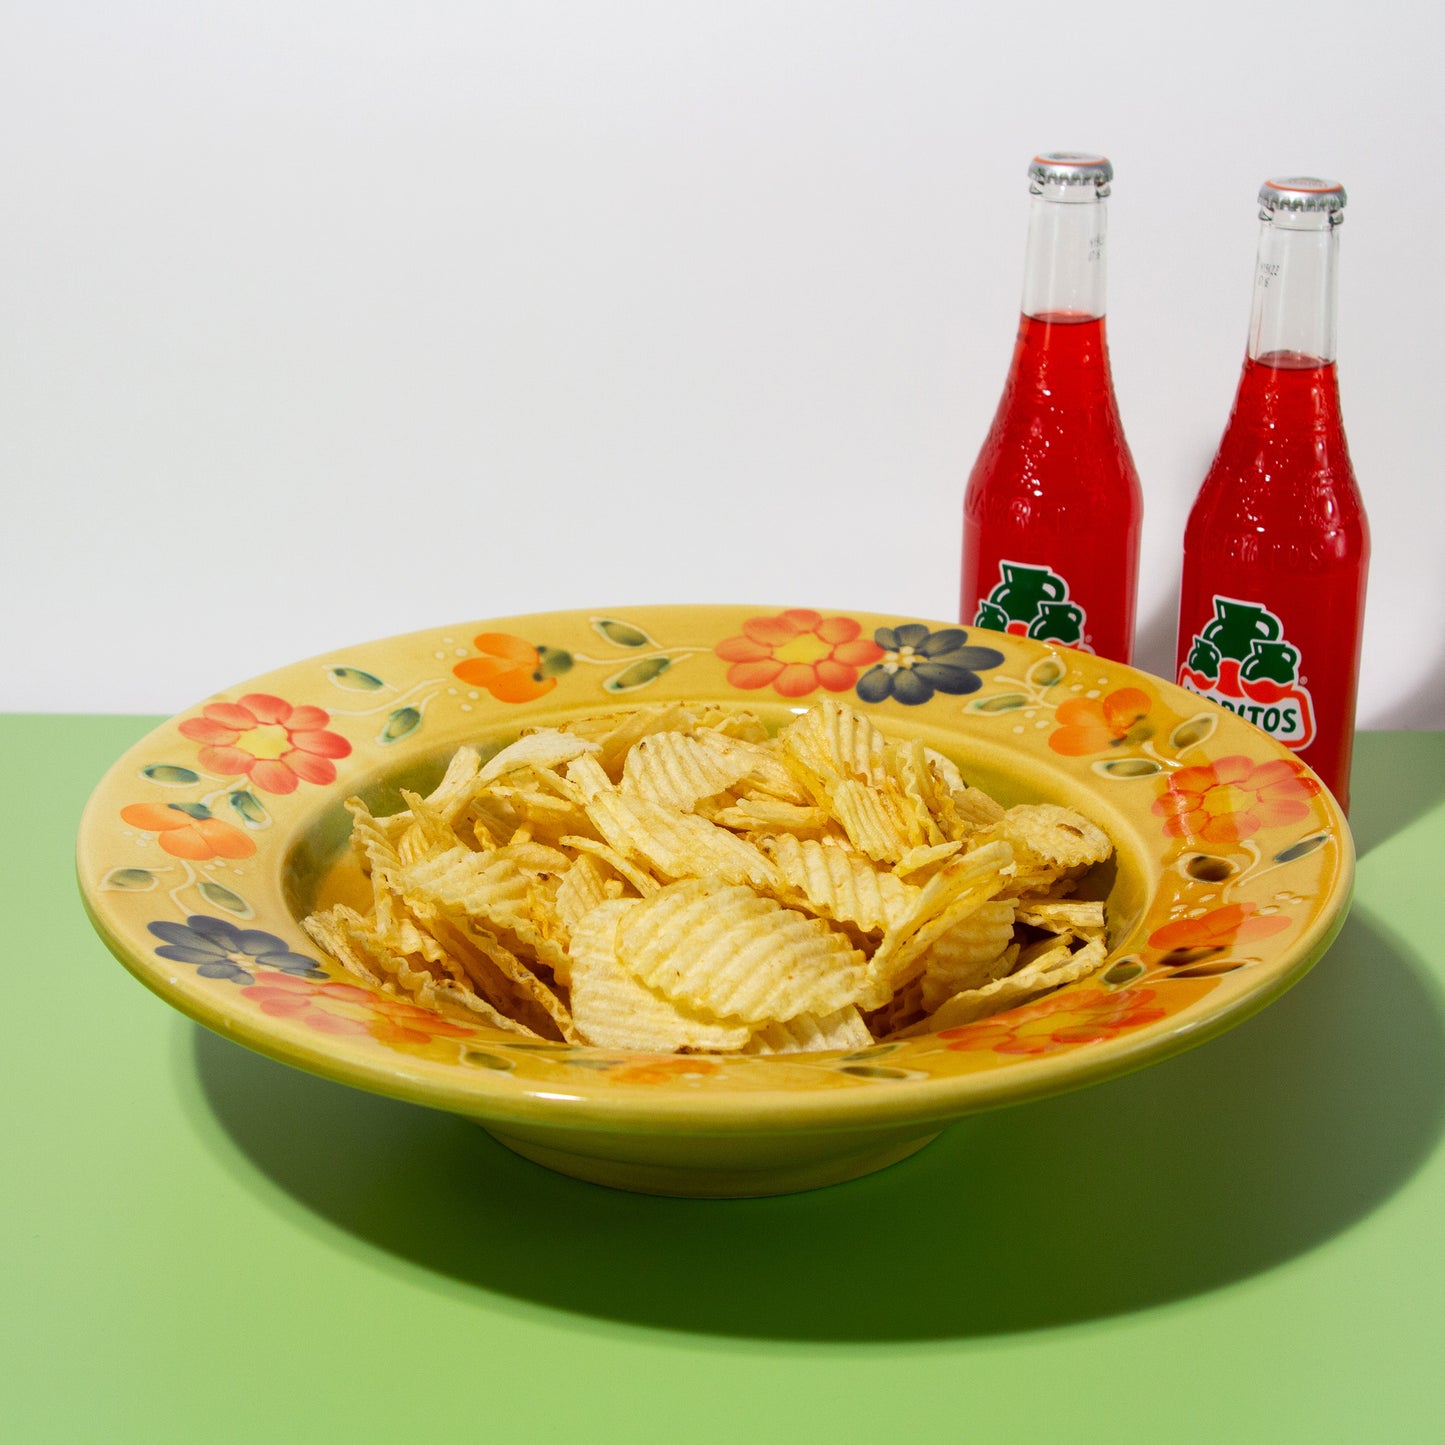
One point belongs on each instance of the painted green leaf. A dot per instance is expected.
(1128, 768)
(221, 897)
(873, 1071)
(1207, 868)
(489, 1061)
(1046, 672)
(137, 880)
(642, 672)
(191, 810)
(354, 679)
(1003, 702)
(1125, 971)
(402, 723)
(248, 805)
(170, 775)
(552, 662)
(624, 634)
(1193, 731)
(1302, 849)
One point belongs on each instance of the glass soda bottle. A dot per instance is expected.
(1277, 547)
(1053, 506)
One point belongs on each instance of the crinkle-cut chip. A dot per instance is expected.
(976, 809)
(546, 748)
(431, 830)
(614, 1009)
(678, 771)
(833, 742)
(639, 878)
(1082, 919)
(925, 860)
(959, 887)
(458, 784)
(743, 725)
(944, 770)
(502, 978)
(903, 1009)
(536, 858)
(837, 882)
(345, 935)
(631, 727)
(482, 885)
(759, 815)
(589, 777)
(761, 768)
(1058, 837)
(962, 957)
(1014, 989)
(812, 1034)
(542, 812)
(583, 887)
(919, 789)
(734, 953)
(874, 821)
(677, 845)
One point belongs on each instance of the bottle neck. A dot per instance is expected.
(1292, 322)
(1064, 267)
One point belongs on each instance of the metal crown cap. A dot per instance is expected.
(1302, 193)
(1071, 168)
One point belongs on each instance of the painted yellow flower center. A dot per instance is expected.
(1227, 799)
(809, 647)
(268, 741)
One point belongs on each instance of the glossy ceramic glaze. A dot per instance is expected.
(204, 846)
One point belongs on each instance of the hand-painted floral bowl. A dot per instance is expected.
(205, 845)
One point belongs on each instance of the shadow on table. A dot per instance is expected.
(1205, 1169)
(1397, 779)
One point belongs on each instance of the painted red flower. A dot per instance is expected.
(1092, 724)
(333, 1008)
(1233, 798)
(184, 836)
(1234, 923)
(276, 745)
(662, 1071)
(1058, 1021)
(798, 651)
(509, 668)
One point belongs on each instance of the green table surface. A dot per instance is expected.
(1245, 1243)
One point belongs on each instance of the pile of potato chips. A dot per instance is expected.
(676, 878)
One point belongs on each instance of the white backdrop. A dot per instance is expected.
(324, 320)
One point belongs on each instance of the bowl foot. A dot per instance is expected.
(716, 1168)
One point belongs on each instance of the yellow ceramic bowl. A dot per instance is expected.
(205, 845)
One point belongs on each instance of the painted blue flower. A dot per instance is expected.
(219, 949)
(917, 663)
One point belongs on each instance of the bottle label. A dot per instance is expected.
(1031, 601)
(1242, 660)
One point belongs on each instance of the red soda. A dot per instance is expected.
(1053, 505)
(1277, 547)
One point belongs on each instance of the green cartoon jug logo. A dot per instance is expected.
(1032, 601)
(1242, 660)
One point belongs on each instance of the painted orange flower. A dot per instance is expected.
(510, 668)
(184, 836)
(1233, 798)
(662, 1071)
(332, 1008)
(1234, 923)
(798, 651)
(1059, 1021)
(1092, 724)
(276, 745)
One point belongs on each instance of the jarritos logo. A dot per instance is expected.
(1242, 661)
(1033, 602)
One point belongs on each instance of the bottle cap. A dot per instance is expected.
(1302, 193)
(1072, 168)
